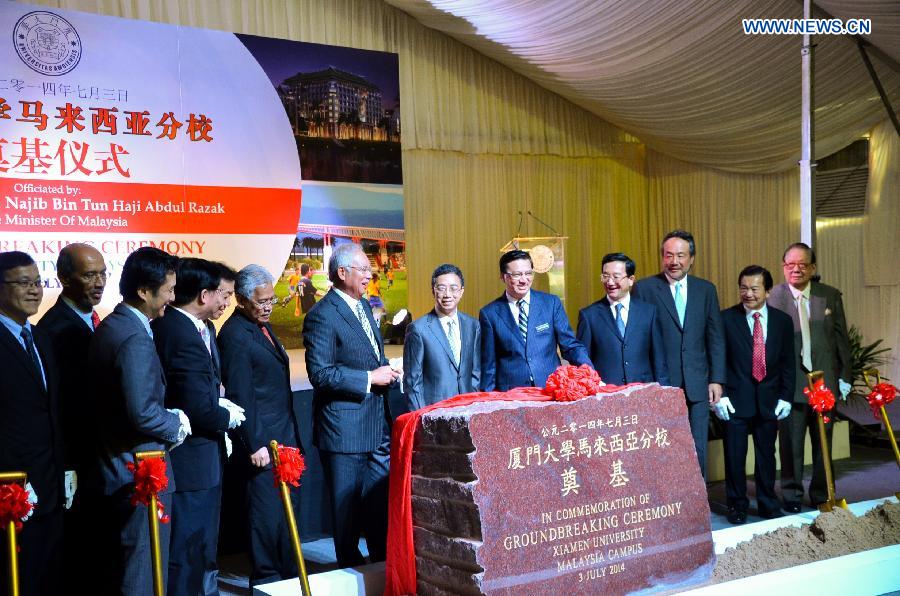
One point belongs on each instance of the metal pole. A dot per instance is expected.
(832, 501)
(11, 544)
(292, 523)
(807, 144)
(153, 519)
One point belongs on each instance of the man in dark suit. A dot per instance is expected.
(69, 327)
(257, 377)
(692, 332)
(623, 335)
(185, 342)
(520, 331)
(442, 351)
(759, 345)
(820, 343)
(30, 434)
(128, 390)
(350, 376)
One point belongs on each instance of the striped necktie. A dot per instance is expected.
(367, 327)
(620, 322)
(523, 319)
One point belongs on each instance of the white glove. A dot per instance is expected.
(723, 409)
(845, 388)
(71, 485)
(228, 448)
(782, 409)
(235, 412)
(184, 430)
(32, 498)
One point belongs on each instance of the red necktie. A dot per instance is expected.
(759, 350)
(266, 333)
(95, 319)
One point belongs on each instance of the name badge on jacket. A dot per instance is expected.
(542, 327)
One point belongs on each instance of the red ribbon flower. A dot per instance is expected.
(14, 505)
(821, 399)
(290, 466)
(882, 394)
(568, 383)
(150, 479)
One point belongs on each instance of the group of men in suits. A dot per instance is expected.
(80, 397)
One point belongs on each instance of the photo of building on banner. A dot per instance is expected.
(343, 106)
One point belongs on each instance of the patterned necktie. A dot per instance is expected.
(204, 335)
(759, 350)
(453, 338)
(523, 320)
(679, 303)
(32, 353)
(806, 347)
(266, 333)
(620, 322)
(95, 319)
(364, 321)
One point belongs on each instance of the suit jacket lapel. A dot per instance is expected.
(817, 305)
(349, 317)
(437, 330)
(272, 346)
(607, 318)
(664, 294)
(19, 352)
(507, 316)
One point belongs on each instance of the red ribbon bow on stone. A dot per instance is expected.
(290, 466)
(149, 479)
(882, 394)
(568, 383)
(821, 399)
(14, 505)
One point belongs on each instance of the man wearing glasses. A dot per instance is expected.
(622, 334)
(69, 327)
(185, 340)
(520, 331)
(351, 376)
(442, 351)
(30, 437)
(820, 343)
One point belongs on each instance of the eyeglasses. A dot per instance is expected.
(94, 276)
(442, 289)
(226, 293)
(362, 270)
(605, 277)
(520, 274)
(800, 266)
(24, 283)
(265, 303)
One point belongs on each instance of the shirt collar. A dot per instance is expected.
(625, 302)
(796, 293)
(444, 318)
(86, 317)
(14, 327)
(351, 302)
(763, 312)
(672, 282)
(526, 298)
(145, 321)
(200, 325)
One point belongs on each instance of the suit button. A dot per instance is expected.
(626, 363)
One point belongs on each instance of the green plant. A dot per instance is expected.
(863, 356)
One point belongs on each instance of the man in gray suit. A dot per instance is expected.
(693, 335)
(129, 393)
(442, 351)
(350, 376)
(820, 343)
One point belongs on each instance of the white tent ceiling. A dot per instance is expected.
(681, 74)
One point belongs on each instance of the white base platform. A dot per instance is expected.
(870, 572)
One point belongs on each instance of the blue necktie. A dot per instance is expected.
(620, 322)
(32, 353)
(679, 303)
(523, 320)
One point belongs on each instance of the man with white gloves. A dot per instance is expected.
(759, 346)
(186, 343)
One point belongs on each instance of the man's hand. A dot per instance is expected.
(384, 375)
(845, 388)
(71, 485)
(723, 409)
(260, 458)
(782, 409)
(715, 393)
(235, 412)
(32, 498)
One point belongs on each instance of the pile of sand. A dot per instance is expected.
(832, 534)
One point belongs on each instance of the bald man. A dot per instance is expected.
(68, 328)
